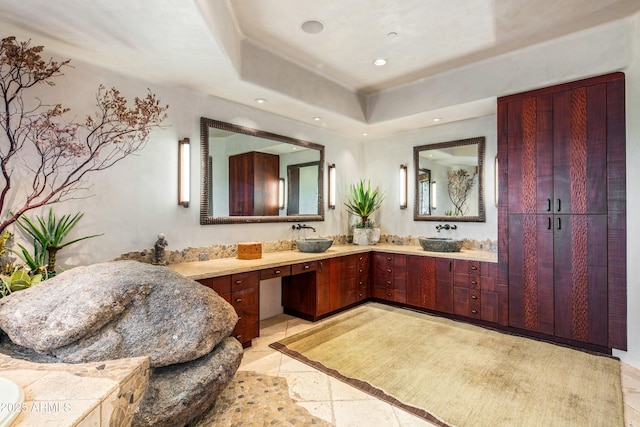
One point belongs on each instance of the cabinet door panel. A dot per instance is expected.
(421, 281)
(323, 289)
(580, 151)
(530, 155)
(444, 285)
(580, 276)
(531, 298)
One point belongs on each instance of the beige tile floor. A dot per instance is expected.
(345, 406)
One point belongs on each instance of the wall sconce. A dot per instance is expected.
(183, 172)
(433, 195)
(495, 180)
(281, 194)
(332, 186)
(403, 186)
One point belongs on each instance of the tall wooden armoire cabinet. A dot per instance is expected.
(253, 184)
(562, 210)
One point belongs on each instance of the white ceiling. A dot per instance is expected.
(246, 49)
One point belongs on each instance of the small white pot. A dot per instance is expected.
(366, 236)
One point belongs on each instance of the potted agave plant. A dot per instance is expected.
(363, 201)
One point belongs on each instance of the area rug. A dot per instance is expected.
(456, 374)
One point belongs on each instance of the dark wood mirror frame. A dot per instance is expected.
(481, 217)
(206, 181)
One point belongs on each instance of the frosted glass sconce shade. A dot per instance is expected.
(332, 186)
(184, 186)
(281, 194)
(433, 195)
(403, 187)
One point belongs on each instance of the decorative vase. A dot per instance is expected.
(366, 236)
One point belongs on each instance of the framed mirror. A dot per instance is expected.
(449, 184)
(250, 176)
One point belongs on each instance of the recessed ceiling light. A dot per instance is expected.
(317, 119)
(379, 62)
(392, 34)
(365, 134)
(437, 119)
(260, 100)
(312, 26)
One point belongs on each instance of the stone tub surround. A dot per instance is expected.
(88, 394)
(218, 251)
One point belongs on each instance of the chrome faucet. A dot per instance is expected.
(303, 226)
(446, 227)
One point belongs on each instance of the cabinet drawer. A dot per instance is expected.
(221, 284)
(466, 280)
(270, 273)
(362, 258)
(247, 315)
(250, 279)
(474, 267)
(382, 293)
(474, 311)
(362, 269)
(247, 328)
(245, 298)
(474, 282)
(304, 267)
(383, 269)
(363, 281)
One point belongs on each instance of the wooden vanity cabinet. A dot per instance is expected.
(347, 284)
(242, 291)
(325, 286)
(314, 289)
(390, 277)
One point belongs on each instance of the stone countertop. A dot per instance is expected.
(224, 266)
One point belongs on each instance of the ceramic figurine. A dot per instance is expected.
(159, 246)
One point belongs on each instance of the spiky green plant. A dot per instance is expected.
(363, 202)
(17, 281)
(48, 234)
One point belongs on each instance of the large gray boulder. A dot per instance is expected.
(126, 309)
(115, 310)
(179, 393)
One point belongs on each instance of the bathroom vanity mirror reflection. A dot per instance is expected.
(450, 181)
(250, 175)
